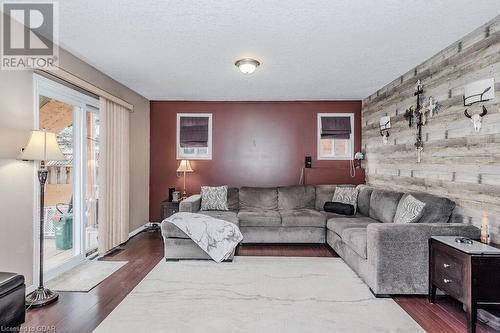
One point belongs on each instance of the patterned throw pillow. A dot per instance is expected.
(409, 210)
(214, 198)
(347, 195)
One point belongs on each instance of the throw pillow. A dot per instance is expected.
(214, 198)
(338, 208)
(347, 195)
(409, 210)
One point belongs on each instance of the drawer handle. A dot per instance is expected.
(446, 265)
(447, 281)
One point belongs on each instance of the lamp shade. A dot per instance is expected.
(42, 146)
(185, 166)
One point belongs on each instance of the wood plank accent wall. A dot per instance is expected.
(456, 161)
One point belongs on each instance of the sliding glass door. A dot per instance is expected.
(71, 204)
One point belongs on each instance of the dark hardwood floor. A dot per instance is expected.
(82, 312)
(445, 316)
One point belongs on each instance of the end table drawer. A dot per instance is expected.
(453, 286)
(168, 209)
(448, 265)
(448, 271)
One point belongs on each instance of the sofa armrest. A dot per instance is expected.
(399, 253)
(414, 232)
(191, 204)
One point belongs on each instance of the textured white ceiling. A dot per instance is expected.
(309, 50)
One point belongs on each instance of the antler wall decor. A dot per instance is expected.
(419, 116)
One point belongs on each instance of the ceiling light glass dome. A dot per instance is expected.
(247, 65)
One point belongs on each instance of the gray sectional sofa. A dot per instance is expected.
(390, 258)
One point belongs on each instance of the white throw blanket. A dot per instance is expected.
(216, 237)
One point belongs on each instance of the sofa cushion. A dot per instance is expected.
(233, 199)
(364, 195)
(228, 216)
(260, 198)
(436, 210)
(409, 209)
(347, 195)
(324, 193)
(330, 215)
(214, 198)
(169, 230)
(339, 224)
(383, 205)
(283, 235)
(296, 197)
(355, 238)
(259, 218)
(302, 218)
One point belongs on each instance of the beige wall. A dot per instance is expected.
(17, 178)
(139, 133)
(456, 162)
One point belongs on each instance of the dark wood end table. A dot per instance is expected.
(470, 273)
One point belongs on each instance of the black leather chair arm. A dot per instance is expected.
(12, 305)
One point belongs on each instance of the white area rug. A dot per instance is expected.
(256, 294)
(85, 276)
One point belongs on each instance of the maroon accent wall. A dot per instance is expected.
(254, 144)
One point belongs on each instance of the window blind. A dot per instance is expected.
(193, 132)
(335, 127)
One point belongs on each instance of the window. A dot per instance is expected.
(335, 136)
(194, 136)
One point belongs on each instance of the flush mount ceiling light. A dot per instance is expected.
(247, 65)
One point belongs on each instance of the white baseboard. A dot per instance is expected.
(138, 230)
(30, 289)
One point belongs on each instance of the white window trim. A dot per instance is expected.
(318, 137)
(178, 135)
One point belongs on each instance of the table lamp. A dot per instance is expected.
(42, 146)
(184, 167)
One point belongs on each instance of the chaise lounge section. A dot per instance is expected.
(178, 245)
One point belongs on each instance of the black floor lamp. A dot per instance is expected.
(42, 146)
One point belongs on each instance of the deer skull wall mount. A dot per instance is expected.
(478, 92)
(476, 118)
